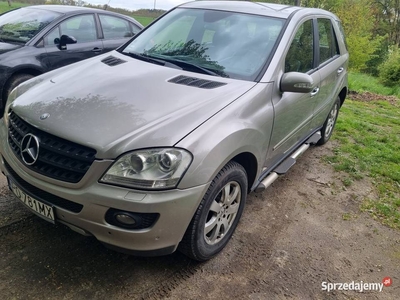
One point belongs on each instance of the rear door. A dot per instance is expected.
(84, 29)
(294, 111)
(332, 67)
(116, 31)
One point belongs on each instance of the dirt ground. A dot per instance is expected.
(304, 230)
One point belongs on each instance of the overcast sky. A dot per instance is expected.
(137, 4)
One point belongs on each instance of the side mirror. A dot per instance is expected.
(65, 40)
(296, 82)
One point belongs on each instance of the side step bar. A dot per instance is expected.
(287, 163)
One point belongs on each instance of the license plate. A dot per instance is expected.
(43, 210)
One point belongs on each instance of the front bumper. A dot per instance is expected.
(175, 207)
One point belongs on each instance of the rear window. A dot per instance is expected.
(343, 35)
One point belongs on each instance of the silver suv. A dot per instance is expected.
(154, 147)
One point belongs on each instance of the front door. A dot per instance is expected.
(294, 111)
(83, 29)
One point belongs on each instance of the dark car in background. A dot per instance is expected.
(38, 39)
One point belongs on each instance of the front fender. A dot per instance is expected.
(244, 126)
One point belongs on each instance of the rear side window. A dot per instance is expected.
(328, 46)
(343, 35)
(115, 28)
(300, 57)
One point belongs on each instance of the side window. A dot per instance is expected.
(83, 28)
(300, 56)
(115, 28)
(328, 46)
(53, 37)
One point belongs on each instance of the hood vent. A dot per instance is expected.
(196, 82)
(113, 61)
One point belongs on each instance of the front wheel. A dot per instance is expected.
(217, 215)
(330, 123)
(12, 83)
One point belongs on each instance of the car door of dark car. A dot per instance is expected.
(294, 111)
(116, 31)
(83, 28)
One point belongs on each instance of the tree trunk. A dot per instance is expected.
(9, 2)
(297, 2)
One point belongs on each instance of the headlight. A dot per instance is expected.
(151, 169)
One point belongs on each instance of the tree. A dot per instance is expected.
(358, 21)
(388, 19)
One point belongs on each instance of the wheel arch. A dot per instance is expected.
(31, 71)
(249, 162)
(342, 95)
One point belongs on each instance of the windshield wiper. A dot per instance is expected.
(190, 66)
(145, 58)
(150, 59)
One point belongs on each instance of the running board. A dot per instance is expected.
(287, 163)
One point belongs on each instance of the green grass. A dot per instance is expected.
(5, 7)
(369, 146)
(365, 83)
(143, 20)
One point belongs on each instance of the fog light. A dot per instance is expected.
(130, 220)
(125, 219)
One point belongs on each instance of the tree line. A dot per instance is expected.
(372, 28)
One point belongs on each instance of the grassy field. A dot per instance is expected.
(369, 146)
(143, 20)
(5, 7)
(366, 83)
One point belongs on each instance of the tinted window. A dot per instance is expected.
(328, 46)
(82, 27)
(115, 28)
(301, 52)
(230, 44)
(23, 24)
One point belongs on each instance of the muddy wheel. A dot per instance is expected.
(217, 215)
(330, 123)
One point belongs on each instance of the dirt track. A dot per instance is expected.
(291, 238)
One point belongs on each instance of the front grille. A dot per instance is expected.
(58, 158)
(196, 82)
(41, 195)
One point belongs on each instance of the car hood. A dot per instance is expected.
(115, 109)
(6, 47)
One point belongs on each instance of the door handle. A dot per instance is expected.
(314, 91)
(96, 50)
(340, 71)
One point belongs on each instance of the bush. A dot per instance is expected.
(389, 71)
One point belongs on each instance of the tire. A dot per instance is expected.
(330, 122)
(213, 224)
(13, 83)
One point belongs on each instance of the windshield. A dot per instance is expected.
(23, 24)
(226, 44)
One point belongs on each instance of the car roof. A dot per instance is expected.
(63, 9)
(257, 8)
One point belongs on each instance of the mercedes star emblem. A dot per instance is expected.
(30, 149)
